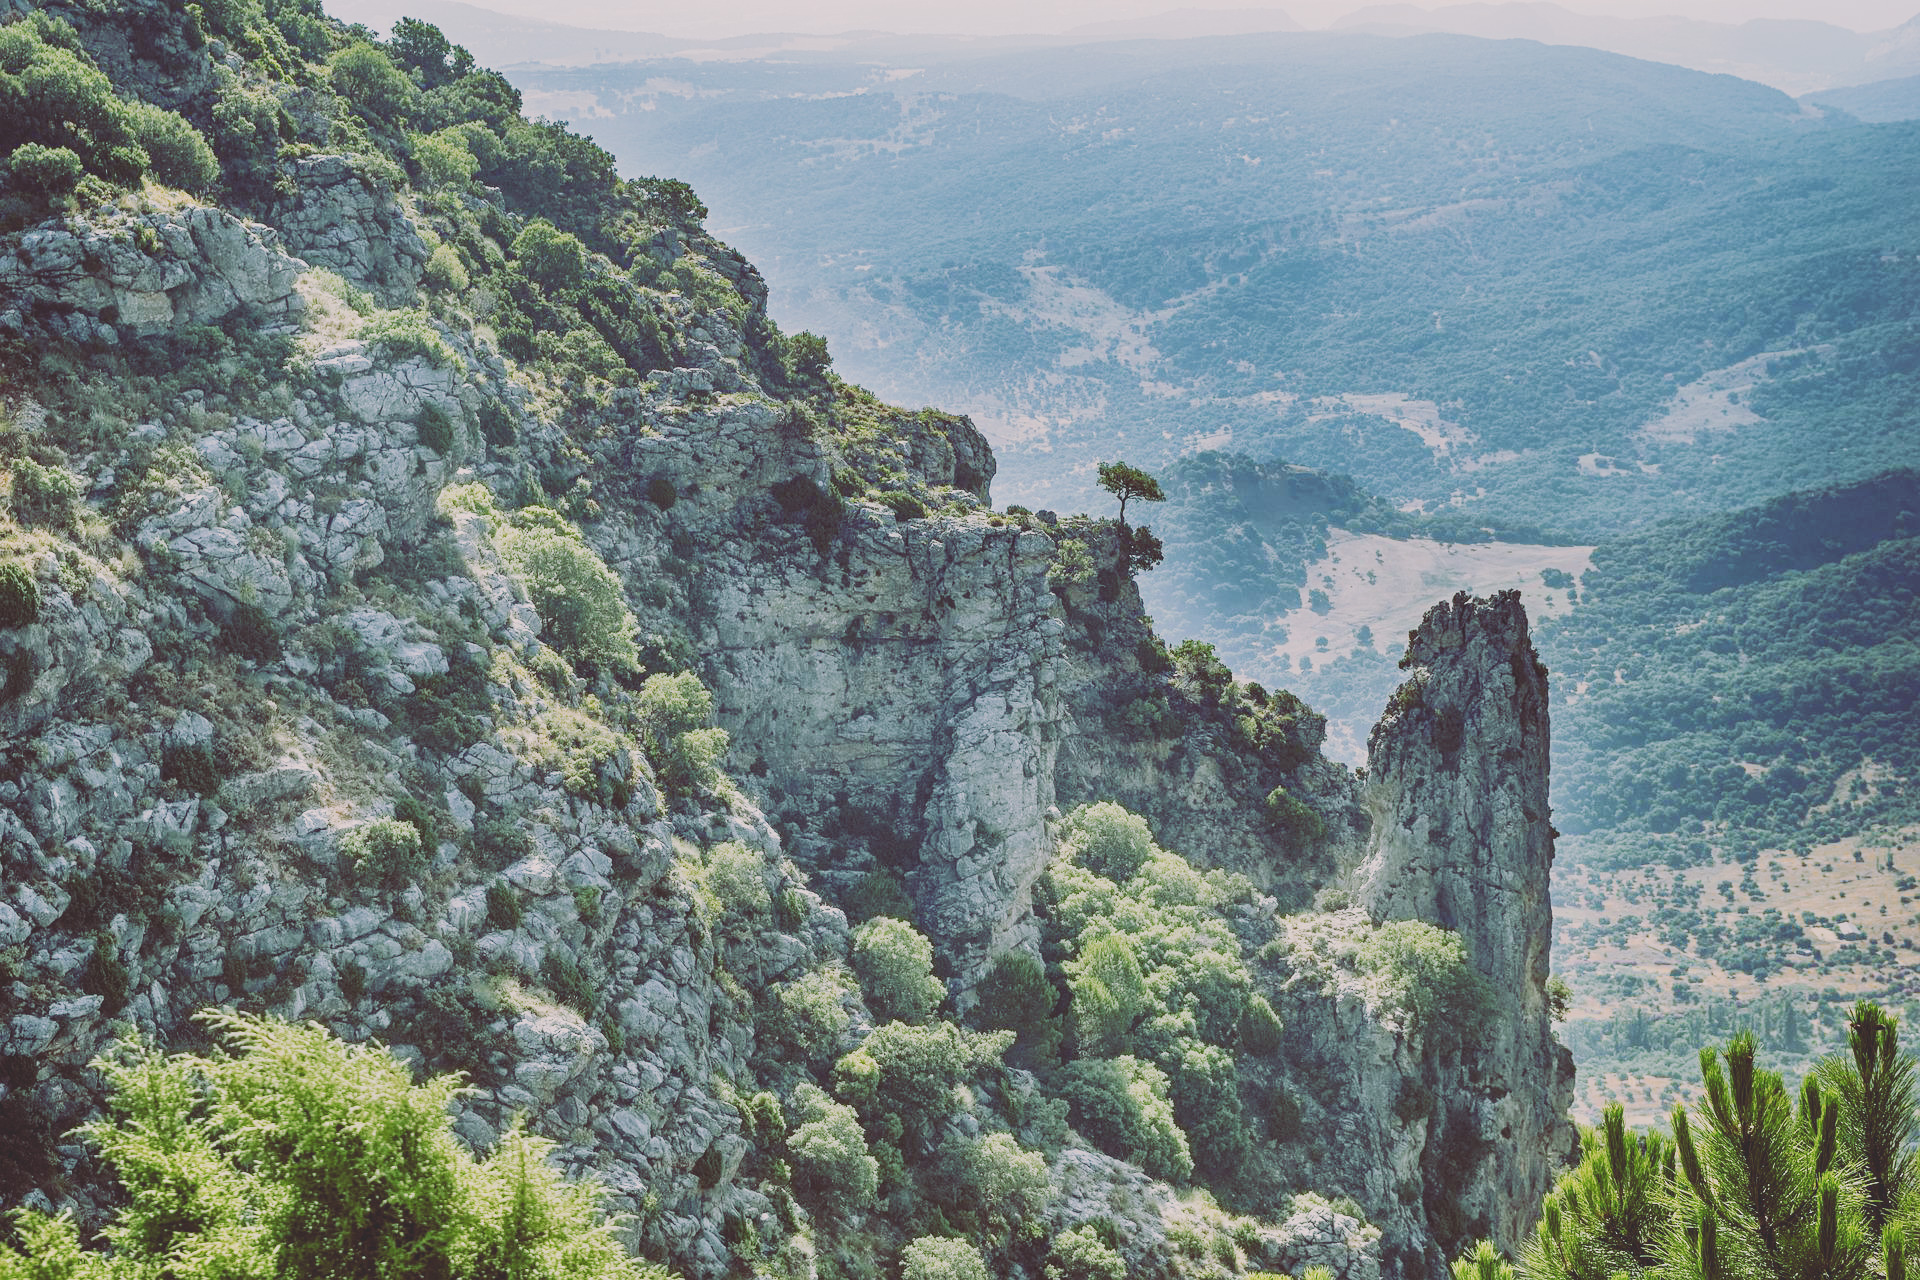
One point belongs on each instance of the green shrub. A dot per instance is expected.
(549, 257)
(445, 272)
(878, 893)
(737, 877)
(1260, 1030)
(368, 82)
(1107, 840)
(192, 767)
(904, 505)
(894, 962)
(435, 429)
(1421, 973)
(1080, 1254)
(807, 356)
(661, 493)
(673, 712)
(106, 975)
(996, 1181)
(37, 170)
(42, 495)
(1291, 820)
(1016, 996)
(19, 596)
(445, 159)
(940, 1258)
(406, 335)
(913, 1072)
(1121, 1105)
(385, 852)
(579, 599)
(1110, 994)
(496, 423)
(570, 982)
(832, 1170)
(293, 1154)
(810, 1013)
(177, 153)
(504, 910)
(1207, 1107)
(249, 632)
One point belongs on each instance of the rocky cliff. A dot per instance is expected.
(364, 537)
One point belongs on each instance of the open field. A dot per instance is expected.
(1663, 960)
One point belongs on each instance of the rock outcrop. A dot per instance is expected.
(1463, 837)
(282, 726)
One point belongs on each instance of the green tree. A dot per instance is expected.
(832, 1169)
(895, 964)
(376, 90)
(1121, 1105)
(554, 259)
(1110, 994)
(1126, 483)
(675, 713)
(1107, 840)
(1752, 1183)
(291, 1154)
(579, 599)
(941, 1258)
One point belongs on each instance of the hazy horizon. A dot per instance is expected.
(727, 18)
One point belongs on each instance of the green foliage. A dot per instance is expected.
(819, 510)
(19, 595)
(1110, 993)
(832, 1171)
(403, 335)
(42, 495)
(549, 257)
(445, 272)
(366, 79)
(386, 853)
(177, 153)
(54, 100)
(1750, 1183)
(435, 429)
(673, 712)
(880, 892)
(1260, 1029)
(807, 357)
(1421, 973)
(811, 1013)
(894, 962)
(661, 493)
(571, 983)
(496, 424)
(1107, 840)
(996, 1183)
(1016, 996)
(1126, 483)
(1122, 1106)
(1072, 565)
(1483, 1263)
(504, 910)
(914, 1072)
(295, 1155)
(579, 599)
(941, 1258)
(445, 158)
(1080, 1254)
(1292, 820)
(45, 171)
(1206, 1105)
(192, 767)
(737, 877)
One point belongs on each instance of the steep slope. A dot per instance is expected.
(501, 642)
(1528, 283)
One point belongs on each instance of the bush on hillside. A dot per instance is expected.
(293, 1154)
(895, 964)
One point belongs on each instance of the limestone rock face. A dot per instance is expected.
(337, 219)
(143, 274)
(1457, 789)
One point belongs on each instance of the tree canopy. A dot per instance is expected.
(1127, 482)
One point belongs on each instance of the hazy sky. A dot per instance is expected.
(992, 17)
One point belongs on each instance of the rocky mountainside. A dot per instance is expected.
(435, 601)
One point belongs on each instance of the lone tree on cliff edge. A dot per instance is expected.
(1124, 482)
